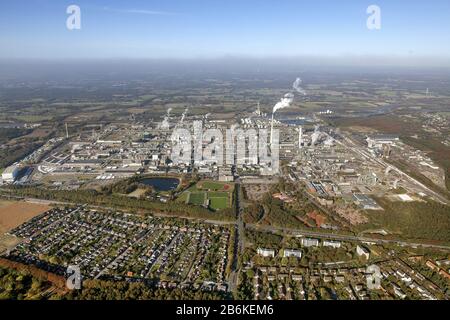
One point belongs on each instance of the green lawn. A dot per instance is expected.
(220, 195)
(197, 198)
(219, 203)
(216, 194)
(183, 197)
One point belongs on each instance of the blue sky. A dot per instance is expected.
(217, 28)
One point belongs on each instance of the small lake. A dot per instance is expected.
(161, 184)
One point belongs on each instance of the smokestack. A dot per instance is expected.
(271, 130)
(300, 137)
(67, 131)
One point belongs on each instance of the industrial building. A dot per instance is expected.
(10, 174)
(378, 141)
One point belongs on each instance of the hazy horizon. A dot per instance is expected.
(411, 31)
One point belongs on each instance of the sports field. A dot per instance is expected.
(219, 194)
(218, 203)
(214, 186)
(197, 198)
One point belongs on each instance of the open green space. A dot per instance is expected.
(219, 194)
(197, 198)
(218, 203)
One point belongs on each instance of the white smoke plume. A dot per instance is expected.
(184, 115)
(288, 98)
(315, 136)
(285, 102)
(297, 86)
(165, 125)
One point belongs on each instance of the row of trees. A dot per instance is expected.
(121, 202)
(15, 285)
(24, 285)
(414, 220)
(10, 154)
(109, 290)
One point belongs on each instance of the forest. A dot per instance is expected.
(414, 220)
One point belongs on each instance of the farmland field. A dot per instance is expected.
(13, 214)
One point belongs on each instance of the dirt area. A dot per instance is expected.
(318, 218)
(255, 192)
(353, 216)
(13, 214)
(39, 133)
(8, 242)
(137, 193)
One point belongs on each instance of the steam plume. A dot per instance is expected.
(297, 86)
(285, 102)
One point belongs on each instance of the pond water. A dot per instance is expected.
(161, 184)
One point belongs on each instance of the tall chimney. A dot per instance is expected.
(271, 131)
(300, 137)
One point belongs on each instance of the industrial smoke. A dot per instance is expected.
(297, 86)
(286, 101)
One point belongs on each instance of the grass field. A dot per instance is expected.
(13, 214)
(218, 203)
(219, 194)
(33, 118)
(197, 198)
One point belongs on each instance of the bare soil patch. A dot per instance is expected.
(13, 214)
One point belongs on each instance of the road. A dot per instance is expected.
(241, 227)
(239, 240)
